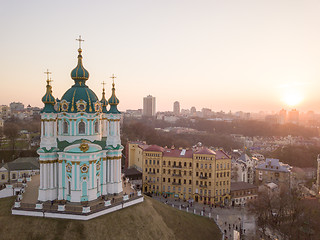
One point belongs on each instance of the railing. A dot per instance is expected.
(177, 166)
(176, 183)
(176, 175)
(203, 177)
(203, 185)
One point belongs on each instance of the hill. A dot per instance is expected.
(148, 220)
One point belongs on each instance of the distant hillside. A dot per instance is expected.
(297, 156)
(148, 220)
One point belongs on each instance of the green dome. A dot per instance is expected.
(113, 101)
(80, 73)
(79, 99)
(48, 99)
(104, 102)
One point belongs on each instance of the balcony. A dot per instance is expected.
(177, 166)
(203, 177)
(203, 186)
(175, 183)
(176, 175)
(151, 173)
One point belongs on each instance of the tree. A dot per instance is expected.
(11, 132)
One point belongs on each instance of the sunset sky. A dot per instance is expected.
(224, 55)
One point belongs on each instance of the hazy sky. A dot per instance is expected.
(224, 55)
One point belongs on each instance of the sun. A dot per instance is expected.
(292, 97)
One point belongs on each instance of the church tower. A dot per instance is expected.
(80, 149)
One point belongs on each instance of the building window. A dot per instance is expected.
(13, 176)
(168, 179)
(209, 175)
(164, 163)
(146, 169)
(3, 176)
(189, 181)
(154, 162)
(169, 171)
(164, 171)
(185, 164)
(65, 127)
(169, 163)
(96, 127)
(169, 188)
(163, 180)
(197, 182)
(82, 128)
(197, 174)
(190, 164)
(197, 165)
(190, 173)
(184, 181)
(158, 170)
(189, 190)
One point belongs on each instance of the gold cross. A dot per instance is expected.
(113, 77)
(80, 40)
(47, 72)
(103, 83)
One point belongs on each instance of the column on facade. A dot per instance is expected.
(41, 175)
(45, 176)
(55, 129)
(74, 127)
(90, 176)
(60, 174)
(111, 170)
(104, 176)
(51, 175)
(119, 170)
(73, 176)
(94, 175)
(42, 133)
(78, 175)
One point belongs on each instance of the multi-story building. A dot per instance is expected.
(242, 193)
(16, 106)
(200, 174)
(272, 170)
(293, 116)
(176, 108)
(149, 106)
(318, 174)
(5, 111)
(243, 169)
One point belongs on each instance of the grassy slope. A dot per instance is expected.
(148, 220)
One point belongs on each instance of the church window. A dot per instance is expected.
(82, 128)
(65, 127)
(96, 127)
(69, 187)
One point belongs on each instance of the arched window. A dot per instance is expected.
(65, 127)
(96, 127)
(82, 128)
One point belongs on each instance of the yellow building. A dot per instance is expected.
(199, 174)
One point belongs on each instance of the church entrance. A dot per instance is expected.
(84, 196)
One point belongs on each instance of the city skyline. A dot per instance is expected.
(246, 56)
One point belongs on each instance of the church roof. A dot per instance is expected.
(113, 101)
(48, 99)
(80, 98)
(244, 158)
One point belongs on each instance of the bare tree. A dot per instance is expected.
(11, 132)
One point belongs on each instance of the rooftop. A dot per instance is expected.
(241, 186)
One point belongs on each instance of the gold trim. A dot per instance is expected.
(113, 158)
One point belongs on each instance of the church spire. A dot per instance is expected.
(104, 102)
(79, 74)
(48, 99)
(113, 100)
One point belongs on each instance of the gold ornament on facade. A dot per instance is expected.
(81, 105)
(98, 165)
(84, 147)
(64, 105)
(84, 168)
(68, 167)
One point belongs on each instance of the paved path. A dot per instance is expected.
(31, 192)
(225, 217)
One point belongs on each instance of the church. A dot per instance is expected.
(80, 148)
